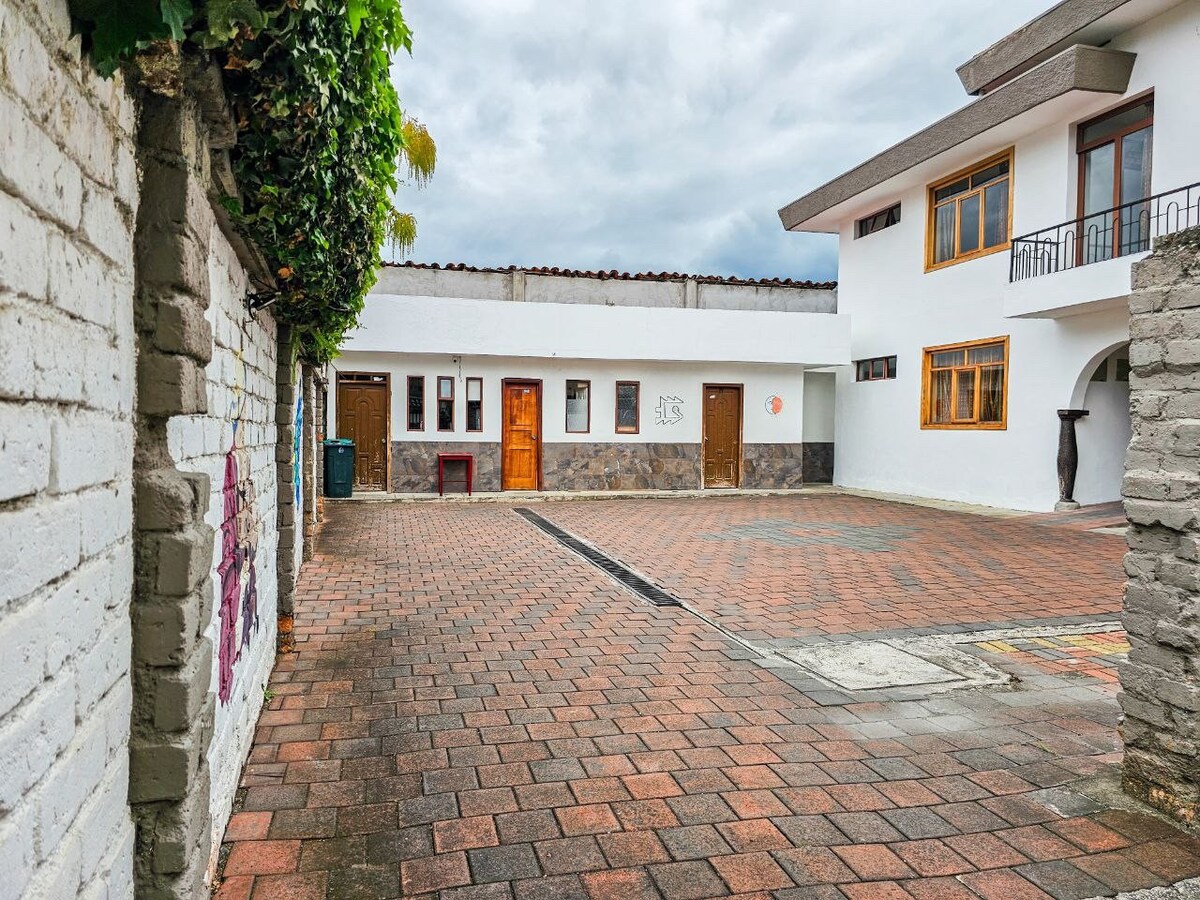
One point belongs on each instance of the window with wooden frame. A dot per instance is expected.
(878, 369)
(628, 393)
(966, 385)
(1115, 152)
(474, 404)
(579, 407)
(416, 403)
(970, 213)
(885, 218)
(445, 403)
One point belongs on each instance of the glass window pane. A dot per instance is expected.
(1000, 168)
(864, 370)
(877, 368)
(627, 407)
(943, 233)
(1094, 131)
(995, 214)
(964, 394)
(989, 354)
(1135, 185)
(991, 394)
(950, 190)
(1122, 373)
(416, 404)
(948, 358)
(445, 388)
(474, 389)
(1101, 373)
(445, 412)
(968, 226)
(891, 367)
(474, 415)
(577, 406)
(939, 400)
(1098, 184)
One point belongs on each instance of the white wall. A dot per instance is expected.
(1103, 435)
(241, 400)
(897, 308)
(448, 325)
(68, 195)
(682, 380)
(820, 399)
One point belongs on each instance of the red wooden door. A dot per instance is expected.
(521, 447)
(722, 436)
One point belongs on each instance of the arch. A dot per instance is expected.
(1079, 391)
(1103, 435)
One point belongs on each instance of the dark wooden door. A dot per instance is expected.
(722, 436)
(363, 418)
(521, 441)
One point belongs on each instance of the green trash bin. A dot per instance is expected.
(339, 467)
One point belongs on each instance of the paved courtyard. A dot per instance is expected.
(473, 711)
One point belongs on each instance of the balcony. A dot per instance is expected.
(1114, 233)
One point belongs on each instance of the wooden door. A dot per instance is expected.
(362, 412)
(722, 435)
(521, 438)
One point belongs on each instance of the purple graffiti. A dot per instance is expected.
(239, 545)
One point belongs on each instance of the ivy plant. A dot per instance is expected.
(320, 134)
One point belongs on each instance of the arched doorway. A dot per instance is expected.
(1103, 434)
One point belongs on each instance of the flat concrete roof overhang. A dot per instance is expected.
(1090, 22)
(1078, 68)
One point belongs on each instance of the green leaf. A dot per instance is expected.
(356, 11)
(176, 13)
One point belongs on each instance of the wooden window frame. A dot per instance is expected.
(438, 399)
(861, 232)
(467, 405)
(874, 359)
(1081, 149)
(932, 207)
(927, 387)
(637, 408)
(408, 399)
(566, 416)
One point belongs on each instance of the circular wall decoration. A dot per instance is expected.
(774, 404)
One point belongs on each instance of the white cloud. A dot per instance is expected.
(664, 134)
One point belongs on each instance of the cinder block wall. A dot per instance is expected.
(68, 196)
(1161, 680)
(232, 443)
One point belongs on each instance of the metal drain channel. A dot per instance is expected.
(635, 582)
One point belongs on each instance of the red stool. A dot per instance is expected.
(444, 458)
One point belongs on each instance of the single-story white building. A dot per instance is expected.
(553, 380)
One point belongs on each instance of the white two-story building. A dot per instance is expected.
(985, 261)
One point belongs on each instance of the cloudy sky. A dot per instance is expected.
(664, 134)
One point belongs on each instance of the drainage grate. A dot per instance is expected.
(627, 577)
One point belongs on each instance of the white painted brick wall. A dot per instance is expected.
(241, 376)
(68, 195)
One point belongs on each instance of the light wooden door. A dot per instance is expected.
(722, 436)
(363, 418)
(521, 439)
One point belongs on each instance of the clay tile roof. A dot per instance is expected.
(621, 276)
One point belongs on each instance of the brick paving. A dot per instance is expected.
(474, 712)
(794, 569)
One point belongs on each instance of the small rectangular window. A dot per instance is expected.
(416, 402)
(579, 407)
(474, 404)
(885, 218)
(445, 403)
(1122, 373)
(627, 407)
(877, 369)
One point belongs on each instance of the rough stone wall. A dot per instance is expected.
(231, 444)
(1161, 680)
(68, 196)
(621, 466)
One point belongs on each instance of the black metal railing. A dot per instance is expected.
(1120, 231)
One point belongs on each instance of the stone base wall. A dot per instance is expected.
(620, 467)
(1161, 680)
(414, 464)
(615, 466)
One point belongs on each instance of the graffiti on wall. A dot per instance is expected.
(239, 543)
(299, 425)
(669, 410)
